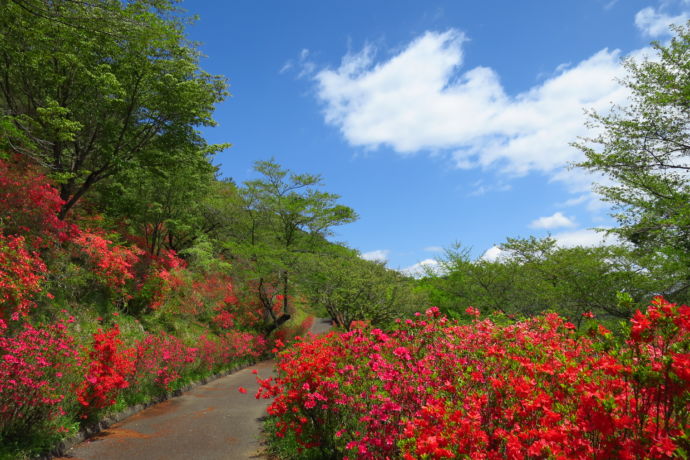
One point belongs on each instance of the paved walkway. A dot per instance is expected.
(213, 421)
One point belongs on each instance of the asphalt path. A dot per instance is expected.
(212, 421)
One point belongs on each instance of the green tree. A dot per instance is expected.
(576, 280)
(352, 289)
(284, 217)
(102, 86)
(535, 275)
(164, 205)
(644, 148)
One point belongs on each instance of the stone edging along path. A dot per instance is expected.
(111, 419)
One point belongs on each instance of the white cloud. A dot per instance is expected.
(480, 188)
(433, 249)
(610, 4)
(493, 254)
(654, 23)
(286, 67)
(421, 268)
(574, 201)
(303, 65)
(584, 237)
(379, 255)
(557, 220)
(418, 100)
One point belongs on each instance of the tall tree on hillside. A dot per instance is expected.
(286, 216)
(102, 86)
(163, 205)
(644, 148)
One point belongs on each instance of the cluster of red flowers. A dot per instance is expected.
(45, 373)
(534, 389)
(38, 369)
(107, 372)
(21, 274)
(29, 205)
(113, 263)
(53, 373)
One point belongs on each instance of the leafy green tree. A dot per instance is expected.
(449, 285)
(352, 289)
(576, 280)
(102, 86)
(163, 205)
(535, 275)
(284, 217)
(644, 148)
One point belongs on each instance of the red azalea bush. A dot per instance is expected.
(51, 373)
(534, 389)
(21, 274)
(110, 364)
(29, 204)
(112, 263)
(245, 344)
(289, 332)
(160, 360)
(162, 276)
(40, 368)
(232, 347)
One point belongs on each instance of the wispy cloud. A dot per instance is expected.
(303, 66)
(574, 201)
(584, 237)
(655, 23)
(610, 4)
(557, 220)
(379, 255)
(286, 67)
(481, 188)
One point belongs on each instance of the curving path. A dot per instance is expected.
(212, 421)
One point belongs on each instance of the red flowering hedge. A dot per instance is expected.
(39, 372)
(21, 274)
(29, 204)
(534, 389)
(106, 374)
(58, 373)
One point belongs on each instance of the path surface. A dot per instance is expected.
(320, 326)
(212, 421)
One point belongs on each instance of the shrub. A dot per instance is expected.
(40, 368)
(21, 274)
(110, 365)
(533, 389)
(29, 204)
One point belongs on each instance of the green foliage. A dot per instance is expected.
(164, 203)
(284, 217)
(293, 205)
(643, 147)
(103, 87)
(352, 289)
(535, 275)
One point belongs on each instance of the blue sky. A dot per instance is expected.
(437, 121)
